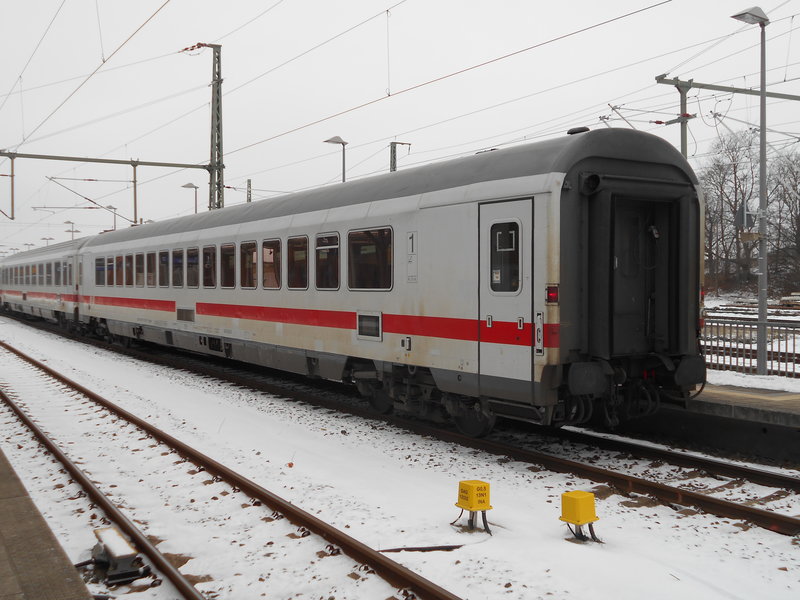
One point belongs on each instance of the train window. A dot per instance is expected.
(271, 264)
(150, 262)
(57, 273)
(99, 271)
(327, 261)
(139, 270)
(227, 269)
(48, 275)
(119, 271)
(369, 255)
(177, 268)
(504, 257)
(193, 267)
(248, 265)
(27, 275)
(110, 270)
(163, 268)
(41, 274)
(209, 266)
(297, 263)
(129, 269)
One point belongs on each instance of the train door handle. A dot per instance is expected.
(488, 321)
(520, 323)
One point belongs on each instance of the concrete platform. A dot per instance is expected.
(749, 404)
(754, 423)
(33, 566)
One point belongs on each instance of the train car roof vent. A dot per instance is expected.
(575, 130)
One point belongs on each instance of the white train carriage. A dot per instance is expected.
(535, 282)
(42, 283)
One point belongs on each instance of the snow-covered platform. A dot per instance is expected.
(33, 566)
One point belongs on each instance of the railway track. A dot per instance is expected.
(327, 541)
(670, 494)
(722, 471)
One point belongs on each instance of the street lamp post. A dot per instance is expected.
(753, 16)
(192, 186)
(338, 140)
(47, 240)
(28, 245)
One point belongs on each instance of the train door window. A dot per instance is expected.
(119, 271)
(193, 267)
(505, 257)
(80, 273)
(150, 263)
(163, 268)
(99, 271)
(129, 269)
(57, 273)
(297, 263)
(327, 261)
(369, 256)
(248, 265)
(139, 270)
(271, 264)
(110, 270)
(227, 269)
(209, 266)
(48, 275)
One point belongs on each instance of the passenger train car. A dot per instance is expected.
(541, 282)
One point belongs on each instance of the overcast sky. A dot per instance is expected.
(289, 65)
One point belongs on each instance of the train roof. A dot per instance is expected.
(556, 155)
(46, 253)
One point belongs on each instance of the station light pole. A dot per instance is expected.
(47, 240)
(338, 140)
(192, 186)
(756, 16)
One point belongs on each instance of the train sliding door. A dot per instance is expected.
(506, 262)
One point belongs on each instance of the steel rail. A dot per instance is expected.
(766, 519)
(627, 483)
(717, 467)
(391, 571)
(144, 545)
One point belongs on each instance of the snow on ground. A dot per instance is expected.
(390, 489)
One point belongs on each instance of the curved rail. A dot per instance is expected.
(391, 571)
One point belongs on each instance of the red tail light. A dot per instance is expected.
(551, 294)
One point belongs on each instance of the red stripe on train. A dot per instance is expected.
(143, 303)
(295, 316)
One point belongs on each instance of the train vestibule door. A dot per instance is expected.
(505, 301)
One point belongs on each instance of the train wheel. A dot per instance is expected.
(474, 422)
(381, 402)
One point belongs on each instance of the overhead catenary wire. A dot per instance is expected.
(88, 77)
(30, 58)
(452, 74)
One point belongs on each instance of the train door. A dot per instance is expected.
(506, 263)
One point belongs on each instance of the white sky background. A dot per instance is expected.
(557, 86)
